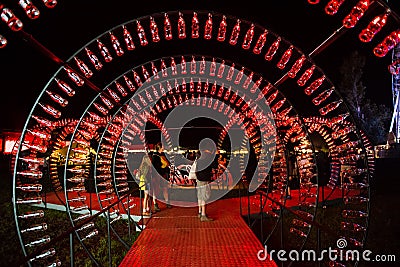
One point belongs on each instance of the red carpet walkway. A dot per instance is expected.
(176, 237)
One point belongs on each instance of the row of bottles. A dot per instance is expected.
(372, 28)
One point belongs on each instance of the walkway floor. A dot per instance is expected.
(176, 237)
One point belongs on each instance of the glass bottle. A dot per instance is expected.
(222, 29)
(260, 43)
(116, 45)
(93, 59)
(285, 58)
(104, 51)
(387, 44)
(57, 98)
(30, 9)
(356, 13)
(167, 27)
(235, 33)
(74, 76)
(141, 33)
(130, 45)
(314, 85)
(248, 38)
(272, 49)
(83, 67)
(181, 27)
(50, 110)
(296, 66)
(208, 27)
(154, 30)
(373, 28)
(333, 6)
(306, 76)
(195, 26)
(330, 107)
(322, 97)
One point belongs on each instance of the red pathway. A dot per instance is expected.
(176, 237)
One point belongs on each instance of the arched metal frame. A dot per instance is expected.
(97, 54)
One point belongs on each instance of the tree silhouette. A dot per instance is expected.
(372, 118)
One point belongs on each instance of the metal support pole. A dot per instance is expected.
(109, 238)
(71, 249)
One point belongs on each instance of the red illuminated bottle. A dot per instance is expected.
(181, 27)
(221, 69)
(183, 65)
(322, 97)
(93, 59)
(248, 80)
(239, 76)
(100, 108)
(35, 227)
(278, 105)
(167, 27)
(30, 9)
(128, 83)
(272, 49)
(104, 51)
(306, 76)
(208, 27)
(353, 214)
(57, 98)
(235, 33)
(43, 121)
(141, 33)
(12, 21)
(32, 214)
(137, 78)
(373, 28)
(116, 45)
(50, 110)
(213, 67)
(296, 66)
(40, 134)
(173, 66)
(333, 6)
(107, 102)
(222, 29)
(248, 38)
(3, 41)
(74, 76)
(128, 38)
(387, 44)
(330, 107)
(30, 187)
(272, 97)
(230, 72)
(114, 95)
(32, 159)
(154, 30)
(31, 173)
(298, 232)
(314, 85)
(356, 13)
(260, 43)
(256, 85)
(285, 58)
(50, 3)
(195, 26)
(83, 67)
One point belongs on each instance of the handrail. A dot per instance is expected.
(72, 229)
(311, 222)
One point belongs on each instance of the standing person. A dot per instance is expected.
(203, 169)
(162, 166)
(145, 174)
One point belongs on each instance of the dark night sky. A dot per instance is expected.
(71, 24)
